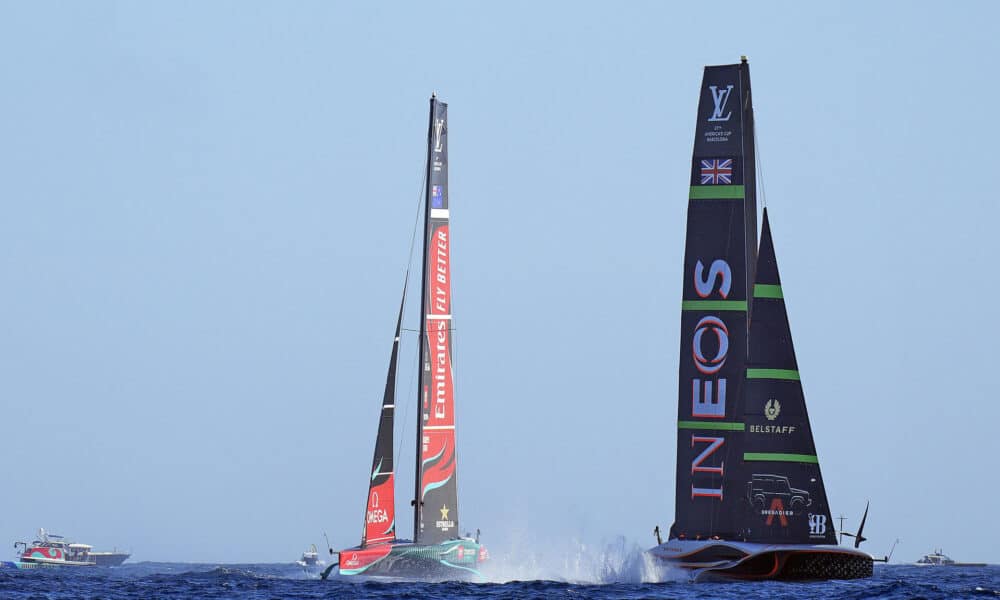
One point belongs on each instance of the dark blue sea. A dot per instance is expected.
(148, 581)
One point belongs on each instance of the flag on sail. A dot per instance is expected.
(717, 171)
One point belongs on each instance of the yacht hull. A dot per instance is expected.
(29, 564)
(110, 559)
(714, 560)
(450, 560)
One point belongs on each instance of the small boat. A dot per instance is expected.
(51, 550)
(939, 559)
(750, 501)
(437, 551)
(310, 559)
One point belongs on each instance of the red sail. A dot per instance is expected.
(436, 516)
(438, 446)
(380, 515)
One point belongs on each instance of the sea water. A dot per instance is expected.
(145, 581)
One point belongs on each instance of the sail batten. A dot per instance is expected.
(704, 305)
(718, 425)
(791, 374)
(781, 457)
(717, 192)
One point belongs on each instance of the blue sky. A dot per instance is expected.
(207, 210)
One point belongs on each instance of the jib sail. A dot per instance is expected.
(719, 257)
(784, 490)
(436, 506)
(380, 513)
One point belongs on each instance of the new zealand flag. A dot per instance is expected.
(437, 198)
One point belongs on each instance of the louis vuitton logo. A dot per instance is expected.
(438, 129)
(720, 97)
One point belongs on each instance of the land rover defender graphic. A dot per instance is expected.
(762, 489)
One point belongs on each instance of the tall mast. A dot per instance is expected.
(417, 503)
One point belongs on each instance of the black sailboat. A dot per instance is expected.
(750, 500)
(436, 550)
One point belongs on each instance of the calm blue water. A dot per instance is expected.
(270, 581)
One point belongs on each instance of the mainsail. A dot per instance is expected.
(719, 259)
(436, 505)
(784, 488)
(380, 513)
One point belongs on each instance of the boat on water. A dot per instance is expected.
(51, 550)
(437, 551)
(750, 500)
(310, 559)
(939, 559)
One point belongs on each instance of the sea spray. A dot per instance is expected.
(576, 561)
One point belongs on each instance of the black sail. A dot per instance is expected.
(380, 512)
(784, 495)
(719, 258)
(436, 506)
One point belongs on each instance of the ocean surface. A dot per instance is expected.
(147, 580)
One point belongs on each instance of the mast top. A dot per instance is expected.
(743, 58)
(435, 94)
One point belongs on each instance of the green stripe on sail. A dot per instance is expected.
(718, 426)
(766, 290)
(740, 305)
(789, 374)
(716, 192)
(779, 457)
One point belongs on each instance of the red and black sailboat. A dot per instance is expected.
(750, 500)
(436, 550)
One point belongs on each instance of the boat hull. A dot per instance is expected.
(450, 560)
(21, 564)
(110, 559)
(714, 560)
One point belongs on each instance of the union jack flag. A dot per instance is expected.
(717, 170)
